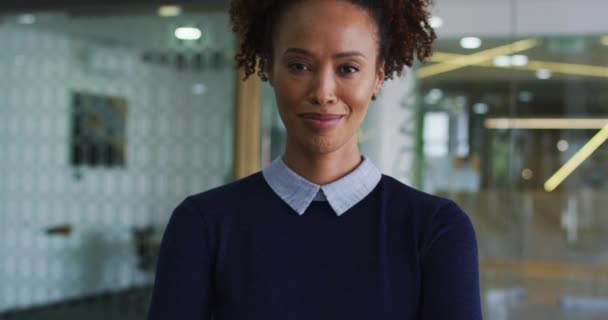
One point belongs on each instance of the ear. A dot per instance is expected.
(379, 77)
(269, 71)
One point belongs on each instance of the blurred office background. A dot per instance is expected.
(111, 113)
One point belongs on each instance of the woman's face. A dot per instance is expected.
(324, 72)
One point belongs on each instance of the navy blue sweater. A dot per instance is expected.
(238, 252)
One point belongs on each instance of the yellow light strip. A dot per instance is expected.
(169, 11)
(577, 159)
(533, 65)
(475, 58)
(604, 40)
(567, 68)
(545, 123)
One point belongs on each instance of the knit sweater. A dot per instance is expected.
(238, 252)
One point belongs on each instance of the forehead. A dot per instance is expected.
(325, 23)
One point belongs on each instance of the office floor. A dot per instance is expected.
(508, 303)
(127, 305)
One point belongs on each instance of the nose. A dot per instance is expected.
(323, 89)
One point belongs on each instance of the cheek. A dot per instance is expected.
(287, 94)
(287, 102)
(357, 98)
(358, 93)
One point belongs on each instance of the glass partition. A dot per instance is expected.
(527, 159)
(509, 119)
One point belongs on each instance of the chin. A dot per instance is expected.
(321, 145)
(325, 145)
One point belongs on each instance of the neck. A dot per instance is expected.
(322, 168)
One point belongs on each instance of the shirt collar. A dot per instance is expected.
(341, 194)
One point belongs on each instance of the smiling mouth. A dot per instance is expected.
(321, 116)
(320, 122)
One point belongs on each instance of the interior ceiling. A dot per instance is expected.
(583, 51)
(562, 94)
(106, 7)
(136, 28)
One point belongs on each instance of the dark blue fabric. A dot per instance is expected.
(238, 252)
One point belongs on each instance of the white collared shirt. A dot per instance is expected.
(341, 194)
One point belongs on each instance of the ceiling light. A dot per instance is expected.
(519, 60)
(577, 159)
(435, 22)
(604, 40)
(463, 61)
(562, 145)
(502, 61)
(433, 96)
(543, 74)
(525, 96)
(188, 33)
(533, 65)
(26, 19)
(546, 123)
(481, 108)
(470, 42)
(169, 11)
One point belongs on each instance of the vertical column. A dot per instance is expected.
(247, 125)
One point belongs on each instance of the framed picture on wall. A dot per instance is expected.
(98, 130)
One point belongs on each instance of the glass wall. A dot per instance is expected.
(509, 119)
(109, 117)
(525, 155)
(514, 126)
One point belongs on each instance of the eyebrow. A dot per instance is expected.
(335, 56)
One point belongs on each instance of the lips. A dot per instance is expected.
(321, 116)
(321, 121)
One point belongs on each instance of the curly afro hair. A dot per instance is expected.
(405, 32)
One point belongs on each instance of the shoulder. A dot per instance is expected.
(226, 198)
(397, 191)
(228, 193)
(434, 222)
(420, 204)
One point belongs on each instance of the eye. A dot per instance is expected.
(298, 67)
(348, 69)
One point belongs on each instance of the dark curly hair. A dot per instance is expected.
(405, 32)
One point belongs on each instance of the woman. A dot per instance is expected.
(321, 233)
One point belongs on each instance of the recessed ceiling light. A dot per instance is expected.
(502, 61)
(169, 11)
(470, 42)
(433, 96)
(435, 22)
(188, 33)
(26, 19)
(544, 74)
(525, 96)
(519, 60)
(604, 40)
(527, 174)
(481, 108)
(563, 145)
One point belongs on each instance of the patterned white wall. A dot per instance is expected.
(178, 143)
